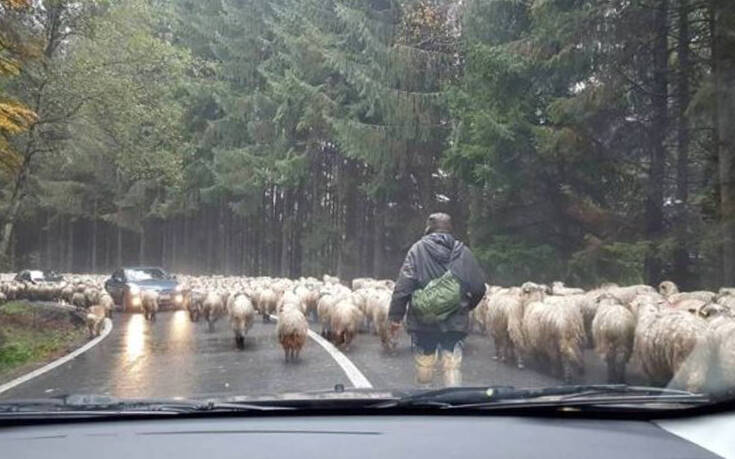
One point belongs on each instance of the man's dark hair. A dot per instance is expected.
(438, 223)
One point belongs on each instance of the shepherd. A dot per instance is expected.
(438, 285)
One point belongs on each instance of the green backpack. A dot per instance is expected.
(438, 300)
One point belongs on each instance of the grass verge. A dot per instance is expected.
(32, 335)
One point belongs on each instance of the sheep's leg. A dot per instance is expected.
(498, 352)
(519, 358)
(612, 376)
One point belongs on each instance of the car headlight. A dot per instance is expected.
(179, 288)
(179, 298)
(134, 289)
(136, 301)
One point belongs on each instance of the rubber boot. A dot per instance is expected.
(451, 366)
(424, 367)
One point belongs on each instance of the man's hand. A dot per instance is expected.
(394, 327)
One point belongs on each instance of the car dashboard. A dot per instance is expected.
(307, 437)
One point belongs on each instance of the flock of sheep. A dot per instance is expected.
(685, 339)
(341, 311)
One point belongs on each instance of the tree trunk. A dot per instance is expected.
(70, 246)
(94, 237)
(724, 73)
(379, 240)
(141, 246)
(681, 254)
(659, 102)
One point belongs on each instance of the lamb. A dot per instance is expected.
(673, 347)
(212, 308)
(555, 332)
(558, 288)
(344, 319)
(613, 330)
(242, 315)
(292, 331)
(94, 319)
(149, 303)
(378, 307)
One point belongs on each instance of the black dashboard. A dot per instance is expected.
(344, 437)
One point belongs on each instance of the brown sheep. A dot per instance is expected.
(344, 319)
(292, 331)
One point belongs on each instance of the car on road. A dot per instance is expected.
(36, 275)
(126, 284)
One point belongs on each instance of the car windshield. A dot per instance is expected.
(387, 195)
(142, 274)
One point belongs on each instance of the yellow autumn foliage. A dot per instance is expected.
(15, 3)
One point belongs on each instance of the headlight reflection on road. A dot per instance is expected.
(180, 326)
(135, 337)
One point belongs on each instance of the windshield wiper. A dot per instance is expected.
(555, 396)
(98, 405)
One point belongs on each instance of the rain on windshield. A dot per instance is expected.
(387, 193)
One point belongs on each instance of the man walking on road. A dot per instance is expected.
(439, 283)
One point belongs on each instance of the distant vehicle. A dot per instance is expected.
(126, 284)
(35, 275)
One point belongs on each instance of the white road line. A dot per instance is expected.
(353, 373)
(60, 361)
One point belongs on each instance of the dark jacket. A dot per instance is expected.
(428, 259)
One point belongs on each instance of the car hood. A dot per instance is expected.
(156, 284)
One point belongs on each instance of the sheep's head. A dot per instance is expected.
(667, 288)
(642, 304)
(532, 292)
(711, 310)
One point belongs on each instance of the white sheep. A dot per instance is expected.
(106, 301)
(242, 315)
(671, 292)
(613, 330)
(94, 319)
(555, 332)
(723, 329)
(149, 304)
(672, 346)
(500, 307)
(212, 308)
(378, 305)
(268, 303)
(558, 288)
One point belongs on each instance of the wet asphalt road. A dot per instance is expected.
(173, 357)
